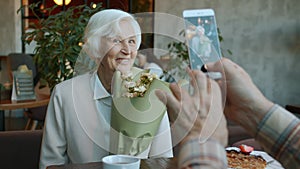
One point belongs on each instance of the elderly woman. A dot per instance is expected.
(201, 44)
(77, 125)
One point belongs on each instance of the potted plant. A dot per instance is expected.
(58, 40)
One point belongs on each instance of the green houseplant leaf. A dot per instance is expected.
(58, 38)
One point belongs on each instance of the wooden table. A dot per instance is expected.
(41, 100)
(159, 163)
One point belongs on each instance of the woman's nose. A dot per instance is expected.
(125, 48)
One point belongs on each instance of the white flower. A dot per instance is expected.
(146, 74)
(142, 89)
(127, 75)
(154, 76)
(129, 84)
(138, 88)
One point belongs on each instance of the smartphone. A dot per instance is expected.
(201, 37)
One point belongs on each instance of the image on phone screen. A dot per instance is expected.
(202, 37)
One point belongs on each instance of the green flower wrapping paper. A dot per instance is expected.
(135, 120)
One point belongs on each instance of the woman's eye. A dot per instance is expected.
(116, 41)
(131, 41)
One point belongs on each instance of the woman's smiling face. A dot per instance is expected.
(121, 50)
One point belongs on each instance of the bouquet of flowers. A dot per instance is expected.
(136, 111)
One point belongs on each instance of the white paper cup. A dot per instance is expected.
(121, 162)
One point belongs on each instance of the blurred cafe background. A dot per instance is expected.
(263, 36)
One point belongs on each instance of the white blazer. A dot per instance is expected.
(77, 125)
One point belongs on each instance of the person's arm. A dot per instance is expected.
(210, 154)
(279, 134)
(277, 130)
(53, 148)
(245, 104)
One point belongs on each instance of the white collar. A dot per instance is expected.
(99, 90)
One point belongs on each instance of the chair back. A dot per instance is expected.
(20, 149)
(5, 77)
(5, 68)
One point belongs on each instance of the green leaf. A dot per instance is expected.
(57, 38)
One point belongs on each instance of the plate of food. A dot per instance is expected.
(246, 157)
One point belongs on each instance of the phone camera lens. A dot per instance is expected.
(204, 68)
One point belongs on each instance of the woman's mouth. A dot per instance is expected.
(123, 60)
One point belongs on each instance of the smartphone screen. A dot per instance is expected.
(202, 37)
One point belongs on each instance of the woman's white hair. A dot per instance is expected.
(106, 23)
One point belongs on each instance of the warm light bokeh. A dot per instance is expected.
(60, 2)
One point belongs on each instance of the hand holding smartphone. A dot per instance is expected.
(202, 39)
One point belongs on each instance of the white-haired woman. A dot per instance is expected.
(201, 43)
(77, 125)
